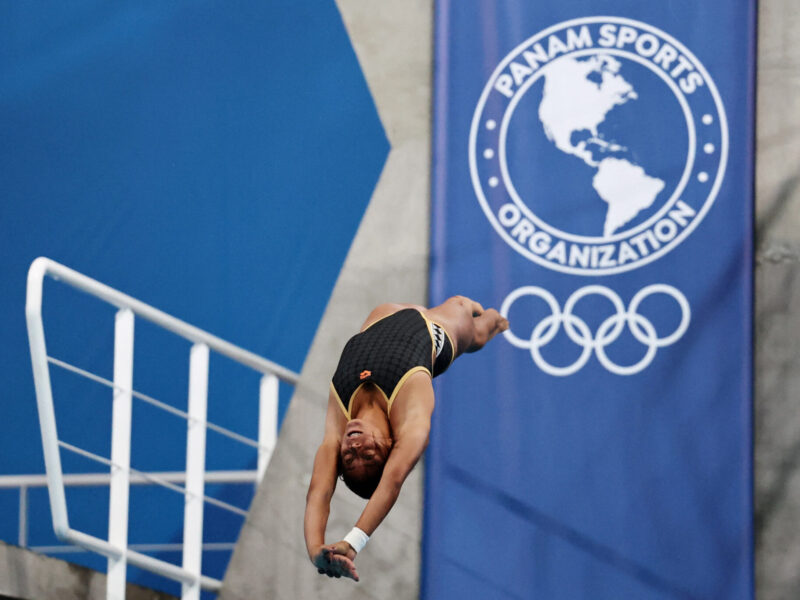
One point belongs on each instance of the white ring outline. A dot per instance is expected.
(593, 290)
(644, 362)
(661, 288)
(530, 290)
(546, 366)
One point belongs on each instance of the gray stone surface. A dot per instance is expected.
(25, 575)
(777, 332)
(387, 262)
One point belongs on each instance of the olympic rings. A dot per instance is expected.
(607, 333)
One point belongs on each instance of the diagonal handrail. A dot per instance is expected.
(33, 306)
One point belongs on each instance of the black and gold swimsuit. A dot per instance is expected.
(388, 352)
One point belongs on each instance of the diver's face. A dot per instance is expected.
(362, 448)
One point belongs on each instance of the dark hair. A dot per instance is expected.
(365, 484)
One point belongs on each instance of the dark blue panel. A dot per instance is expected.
(212, 159)
(593, 179)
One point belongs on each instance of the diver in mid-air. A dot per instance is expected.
(379, 413)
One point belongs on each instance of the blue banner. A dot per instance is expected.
(593, 180)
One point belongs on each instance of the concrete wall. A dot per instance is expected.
(777, 334)
(25, 575)
(388, 261)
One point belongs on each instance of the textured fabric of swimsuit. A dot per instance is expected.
(386, 354)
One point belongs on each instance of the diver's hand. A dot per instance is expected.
(336, 560)
(342, 548)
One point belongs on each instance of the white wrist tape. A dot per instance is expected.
(357, 539)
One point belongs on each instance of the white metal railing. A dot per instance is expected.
(23, 483)
(121, 475)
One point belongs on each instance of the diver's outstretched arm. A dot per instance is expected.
(320, 492)
(318, 498)
(407, 450)
(405, 454)
(411, 422)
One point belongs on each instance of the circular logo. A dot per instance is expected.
(598, 145)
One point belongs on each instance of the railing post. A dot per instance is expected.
(267, 421)
(44, 396)
(120, 452)
(22, 534)
(195, 469)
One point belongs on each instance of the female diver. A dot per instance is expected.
(379, 413)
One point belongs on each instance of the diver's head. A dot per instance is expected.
(362, 455)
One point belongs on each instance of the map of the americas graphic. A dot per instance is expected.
(577, 96)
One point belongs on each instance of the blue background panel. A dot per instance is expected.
(212, 159)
